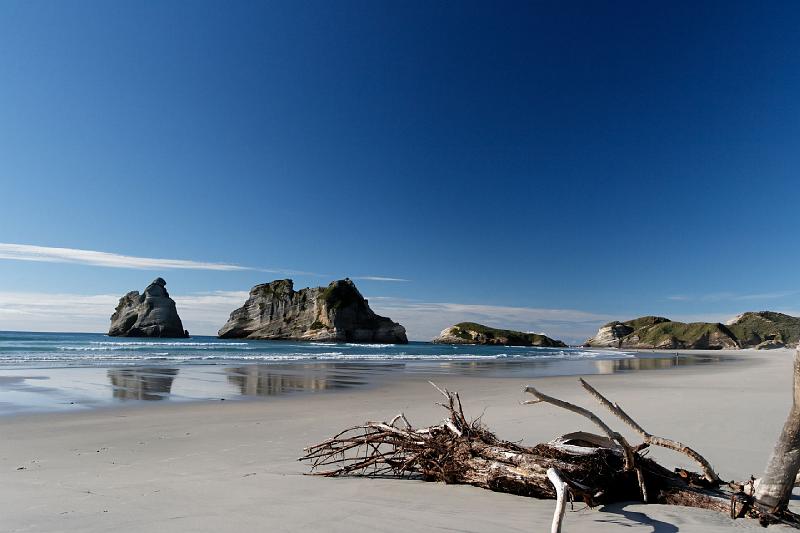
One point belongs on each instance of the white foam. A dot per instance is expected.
(356, 345)
(167, 343)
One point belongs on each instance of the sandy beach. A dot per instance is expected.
(231, 466)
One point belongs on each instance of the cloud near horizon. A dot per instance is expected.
(201, 313)
(204, 313)
(425, 320)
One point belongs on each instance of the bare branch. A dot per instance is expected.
(402, 417)
(561, 500)
(708, 471)
(579, 465)
(613, 435)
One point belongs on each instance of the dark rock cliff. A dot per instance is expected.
(335, 313)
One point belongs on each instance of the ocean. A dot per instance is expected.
(72, 371)
(28, 350)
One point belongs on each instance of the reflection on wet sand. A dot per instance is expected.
(653, 363)
(270, 380)
(143, 383)
(156, 383)
(531, 368)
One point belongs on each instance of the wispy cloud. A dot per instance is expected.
(732, 297)
(49, 254)
(767, 295)
(379, 278)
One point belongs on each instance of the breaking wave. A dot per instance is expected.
(55, 349)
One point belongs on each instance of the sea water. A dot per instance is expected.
(73, 371)
(23, 349)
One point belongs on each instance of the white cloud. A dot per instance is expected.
(47, 254)
(201, 314)
(379, 278)
(205, 313)
(732, 297)
(424, 320)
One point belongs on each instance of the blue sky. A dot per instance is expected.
(546, 166)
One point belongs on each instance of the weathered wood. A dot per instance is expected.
(621, 442)
(775, 487)
(650, 439)
(561, 499)
(590, 468)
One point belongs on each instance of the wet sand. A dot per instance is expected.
(231, 465)
(38, 389)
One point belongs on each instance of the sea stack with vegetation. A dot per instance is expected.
(152, 314)
(760, 330)
(336, 313)
(765, 329)
(473, 333)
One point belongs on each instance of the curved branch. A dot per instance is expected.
(561, 500)
(708, 470)
(613, 435)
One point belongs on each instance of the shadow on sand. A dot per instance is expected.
(635, 516)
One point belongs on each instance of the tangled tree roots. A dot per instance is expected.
(579, 466)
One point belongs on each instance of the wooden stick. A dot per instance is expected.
(613, 435)
(642, 487)
(561, 500)
(708, 470)
(402, 417)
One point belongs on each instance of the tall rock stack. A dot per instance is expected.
(152, 314)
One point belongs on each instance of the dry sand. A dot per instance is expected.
(230, 466)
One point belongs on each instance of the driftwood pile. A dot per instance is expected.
(595, 469)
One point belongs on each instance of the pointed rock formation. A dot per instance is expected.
(335, 313)
(152, 314)
(472, 333)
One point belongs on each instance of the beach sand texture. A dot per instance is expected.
(231, 466)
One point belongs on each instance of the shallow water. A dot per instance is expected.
(27, 350)
(53, 372)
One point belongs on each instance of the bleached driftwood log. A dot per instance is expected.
(561, 499)
(775, 488)
(580, 466)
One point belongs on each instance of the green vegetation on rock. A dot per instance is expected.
(765, 329)
(472, 332)
(682, 335)
(340, 294)
(645, 321)
(753, 328)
